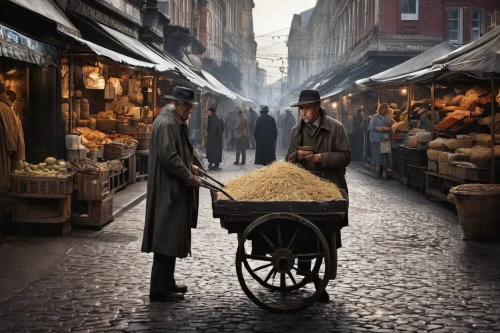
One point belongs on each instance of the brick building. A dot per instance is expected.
(339, 41)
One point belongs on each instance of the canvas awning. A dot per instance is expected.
(50, 10)
(412, 66)
(118, 57)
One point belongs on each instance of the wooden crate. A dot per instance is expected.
(41, 210)
(40, 186)
(91, 185)
(96, 213)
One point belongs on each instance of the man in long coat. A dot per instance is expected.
(214, 139)
(229, 130)
(241, 137)
(266, 134)
(287, 124)
(331, 151)
(171, 202)
(253, 120)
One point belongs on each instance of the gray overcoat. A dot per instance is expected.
(171, 202)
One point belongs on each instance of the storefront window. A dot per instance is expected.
(455, 26)
(476, 24)
(409, 9)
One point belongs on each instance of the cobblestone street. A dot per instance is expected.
(403, 267)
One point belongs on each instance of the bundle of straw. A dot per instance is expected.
(281, 181)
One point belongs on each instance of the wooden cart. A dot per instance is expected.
(287, 251)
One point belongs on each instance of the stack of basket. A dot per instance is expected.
(92, 200)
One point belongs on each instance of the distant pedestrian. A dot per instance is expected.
(287, 124)
(266, 134)
(241, 137)
(252, 119)
(229, 138)
(171, 202)
(214, 139)
(380, 127)
(358, 143)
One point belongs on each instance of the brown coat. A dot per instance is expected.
(11, 141)
(331, 143)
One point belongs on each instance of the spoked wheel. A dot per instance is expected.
(267, 263)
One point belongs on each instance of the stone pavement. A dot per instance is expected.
(403, 267)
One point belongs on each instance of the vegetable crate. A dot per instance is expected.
(93, 213)
(38, 210)
(114, 151)
(40, 187)
(91, 185)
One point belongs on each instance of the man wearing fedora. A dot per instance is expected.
(171, 202)
(331, 153)
(266, 134)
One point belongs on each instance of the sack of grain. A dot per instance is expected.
(85, 115)
(82, 122)
(412, 141)
(92, 124)
(467, 101)
(423, 136)
(433, 154)
(443, 156)
(438, 143)
(84, 104)
(65, 107)
(456, 144)
(456, 100)
(65, 115)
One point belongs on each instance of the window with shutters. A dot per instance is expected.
(476, 24)
(409, 9)
(455, 25)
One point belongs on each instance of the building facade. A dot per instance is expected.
(338, 34)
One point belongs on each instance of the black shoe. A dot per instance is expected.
(210, 166)
(216, 166)
(171, 296)
(179, 288)
(242, 163)
(236, 163)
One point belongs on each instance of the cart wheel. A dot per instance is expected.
(288, 238)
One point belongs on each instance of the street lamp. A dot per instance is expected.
(282, 70)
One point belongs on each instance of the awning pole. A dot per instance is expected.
(492, 128)
(433, 99)
(71, 92)
(155, 98)
(408, 108)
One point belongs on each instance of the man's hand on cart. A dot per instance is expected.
(196, 182)
(195, 170)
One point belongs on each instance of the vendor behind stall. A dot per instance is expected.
(11, 139)
(425, 121)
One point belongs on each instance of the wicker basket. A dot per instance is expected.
(125, 129)
(41, 187)
(91, 185)
(115, 150)
(478, 210)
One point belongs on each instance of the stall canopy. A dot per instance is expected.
(15, 45)
(136, 46)
(217, 86)
(411, 67)
(50, 10)
(120, 58)
(479, 62)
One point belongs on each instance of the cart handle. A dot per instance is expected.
(204, 174)
(215, 188)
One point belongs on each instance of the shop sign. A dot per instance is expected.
(408, 47)
(17, 46)
(82, 8)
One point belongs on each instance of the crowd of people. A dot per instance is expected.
(242, 130)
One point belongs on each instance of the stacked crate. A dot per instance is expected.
(93, 202)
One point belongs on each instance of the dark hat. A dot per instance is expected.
(307, 97)
(183, 94)
(264, 108)
(212, 109)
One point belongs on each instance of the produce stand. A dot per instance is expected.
(275, 240)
